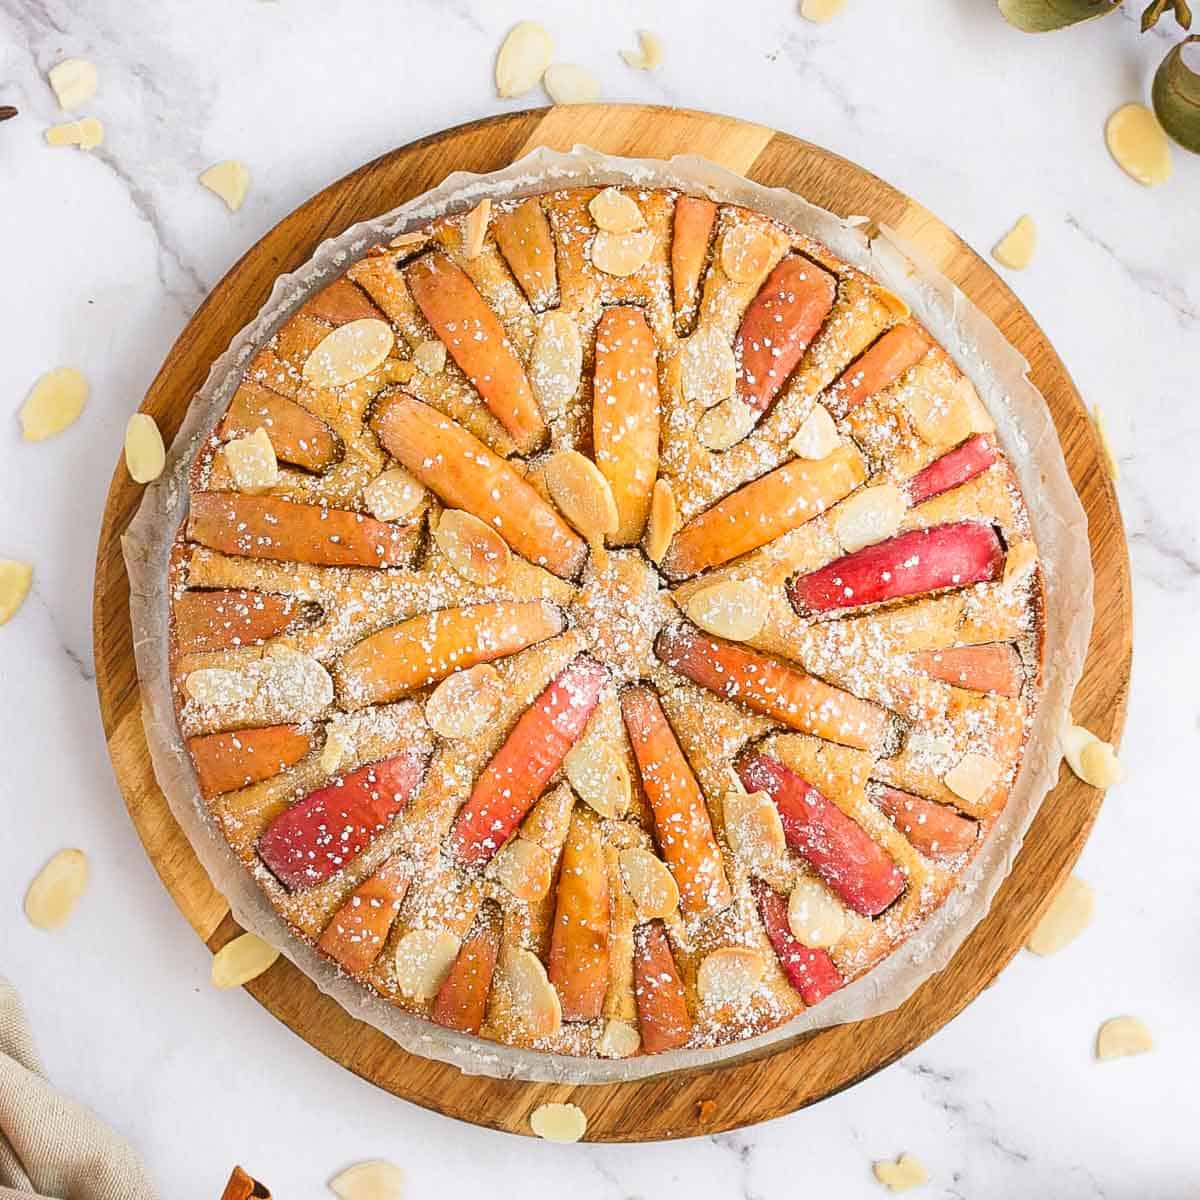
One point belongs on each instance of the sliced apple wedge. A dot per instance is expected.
(341, 302)
(297, 435)
(992, 667)
(358, 930)
(227, 761)
(690, 238)
(461, 1001)
(523, 236)
(936, 830)
(957, 466)
(228, 617)
(663, 1018)
(810, 971)
(903, 346)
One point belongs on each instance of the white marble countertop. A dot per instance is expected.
(106, 256)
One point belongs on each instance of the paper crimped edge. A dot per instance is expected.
(1026, 430)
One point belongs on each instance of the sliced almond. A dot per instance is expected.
(67, 133)
(558, 1122)
(622, 254)
(734, 608)
(145, 455)
(729, 974)
(475, 550)
(599, 776)
(556, 364)
(524, 56)
(16, 578)
(463, 703)
(815, 915)
(230, 180)
(582, 493)
(569, 83)
(1019, 562)
(393, 494)
(423, 960)
(928, 745)
(649, 54)
(372, 1180)
(754, 828)
(619, 1040)
(410, 242)
(282, 681)
(899, 1176)
(972, 777)
(663, 522)
(820, 11)
(241, 960)
(1066, 917)
(1015, 249)
(91, 133)
(475, 230)
(251, 462)
(522, 868)
(1092, 760)
(1106, 450)
(707, 368)
(727, 423)
(74, 82)
(535, 1002)
(615, 212)
(817, 437)
(1139, 145)
(338, 748)
(869, 516)
(396, 370)
(430, 357)
(55, 403)
(56, 889)
(349, 352)
(1122, 1036)
(746, 253)
(649, 882)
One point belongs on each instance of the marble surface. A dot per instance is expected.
(106, 256)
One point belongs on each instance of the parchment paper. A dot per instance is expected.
(1025, 428)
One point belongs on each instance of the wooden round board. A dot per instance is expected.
(748, 1089)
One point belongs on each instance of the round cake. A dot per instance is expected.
(605, 622)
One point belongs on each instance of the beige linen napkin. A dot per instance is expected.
(49, 1145)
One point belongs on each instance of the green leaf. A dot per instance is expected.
(1176, 96)
(1041, 16)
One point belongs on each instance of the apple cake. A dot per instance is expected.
(605, 622)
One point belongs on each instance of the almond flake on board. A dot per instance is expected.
(649, 883)
(728, 974)
(899, 1176)
(621, 254)
(817, 437)
(663, 522)
(474, 231)
(371, 1180)
(524, 56)
(252, 463)
(55, 403)
(423, 960)
(649, 54)
(1015, 249)
(1066, 917)
(733, 608)
(16, 578)
(1121, 1037)
(615, 212)
(74, 82)
(569, 83)
(393, 494)
(56, 889)
(472, 547)
(145, 455)
(1092, 760)
(244, 958)
(230, 180)
(558, 1122)
(463, 703)
(349, 352)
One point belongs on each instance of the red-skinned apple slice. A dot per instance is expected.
(476, 340)
(778, 326)
(520, 770)
(297, 436)
(853, 865)
(357, 931)
(903, 346)
(461, 1001)
(340, 302)
(910, 564)
(330, 827)
(693, 226)
(992, 667)
(227, 761)
(964, 462)
(810, 971)
(663, 1018)
(524, 238)
(936, 830)
(206, 621)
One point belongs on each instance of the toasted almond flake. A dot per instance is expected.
(524, 56)
(734, 608)
(663, 522)
(1092, 760)
(815, 915)
(558, 1122)
(74, 82)
(707, 368)
(619, 1040)
(569, 83)
(649, 54)
(463, 703)
(1106, 450)
(1065, 918)
(397, 370)
(727, 423)
(349, 352)
(338, 747)
(973, 776)
(1015, 249)
(820, 11)
(746, 253)
(896, 305)
(372, 1180)
(16, 578)
(869, 516)
(615, 212)
(145, 455)
(556, 364)
(413, 240)
(251, 462)
(55, 403)
(1139, 145)
(430, 357)
(522, 868)
(393, 494)
(649, 882)
(728, 974)
(899, 1176)
(241, 960)
(475, 229)
(1121, 1037)
(754, 828)
(817, 437)
(599, 776)
(1019, 562)
(423, 960)
(474, 550)
(534, 1001)
(56, 889)
(230, 180)
(582, 493)
(621, 254)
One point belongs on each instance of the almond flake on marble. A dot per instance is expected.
(474, 550)
(558, 1122)
(729, 974)
(820, 11)
(621, 254)
(463, 703)
(870, 515)
(620, 1039)
(252, 463)
(556, 364)
(430, 357)
(74, 82)
(972, 776)
(663, 523)
(1092, 760)
(754, 828)
(615, 212)
(733, 608)
(899, 1176)
(1122, 1037)
(649, 883)
(244, 958)
(56, 889)
(371, 1180)
(230, 180)
(55, 403)
(1065, 918)
(423, 960)
(569, 83)
(727, 423)
(145, 454)
(534, 1001)
(522, 868)
(746, 253)
(815, 915)
(817, 437)
(599, 776)
(1015, 249)
(474, 232)
(349, 352)
(707, 368)
(16, 578)
(649, 54)
(87, 134)
(524, 56)
(1139, 145)
(393, 494)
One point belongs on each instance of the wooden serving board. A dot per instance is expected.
(801, 1072)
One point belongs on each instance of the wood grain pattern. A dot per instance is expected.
(750, 1089)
